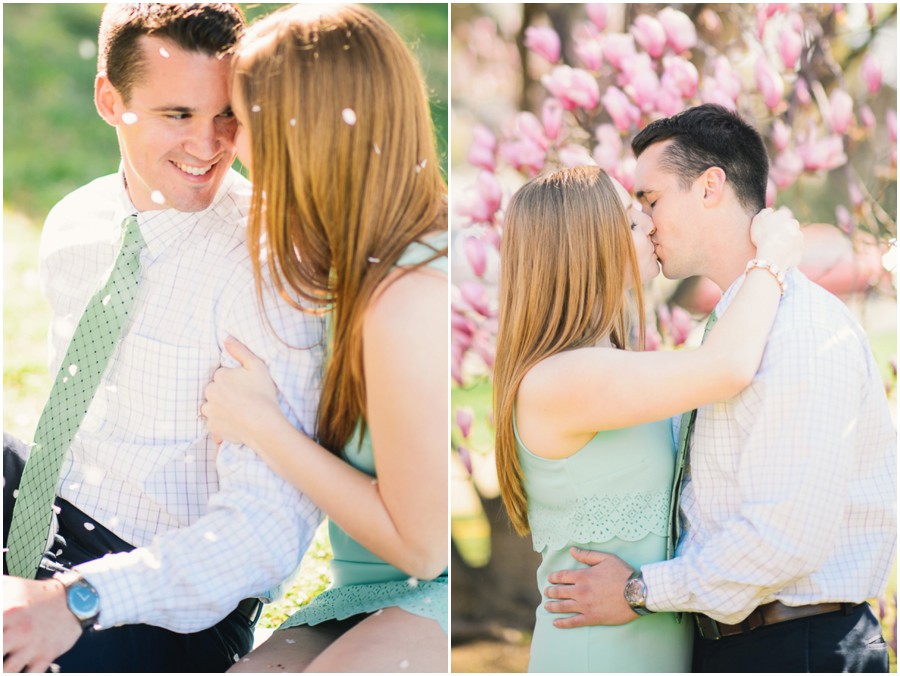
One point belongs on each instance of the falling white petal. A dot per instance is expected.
(293, 122)
(372, 259)
(413, 582)
(16, 493)
(129, 118)
(349, 116)
(255, 108)
(290, 641)
(106, 299)
(157, 197)
(404, 664)
(163, 53)
(209, 535)
(377, 149)
(89, 526)
(73, 369)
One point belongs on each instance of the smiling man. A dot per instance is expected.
(163, 544)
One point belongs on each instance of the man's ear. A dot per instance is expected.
(713, 182)
(107, 100)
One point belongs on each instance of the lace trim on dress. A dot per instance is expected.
(600, 518)
(428, 598)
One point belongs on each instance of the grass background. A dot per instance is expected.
(54, 142)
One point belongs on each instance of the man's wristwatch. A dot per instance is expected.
(81, 597)
(636, 593)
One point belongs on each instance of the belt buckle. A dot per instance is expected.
(708, 627)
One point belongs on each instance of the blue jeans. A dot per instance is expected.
(832, 642)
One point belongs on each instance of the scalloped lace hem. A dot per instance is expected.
(429, 598)
(600, 518)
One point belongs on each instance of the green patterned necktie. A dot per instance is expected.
(681, 460)
(85, 362)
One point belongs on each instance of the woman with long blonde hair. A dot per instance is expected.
(349, 218)
(584, 444)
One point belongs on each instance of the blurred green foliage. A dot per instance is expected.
(54, 141)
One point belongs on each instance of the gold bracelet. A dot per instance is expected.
(771, 268)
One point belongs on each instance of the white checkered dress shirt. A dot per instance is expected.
(791, 494)
(211, 527)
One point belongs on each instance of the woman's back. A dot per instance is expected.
(611, 495)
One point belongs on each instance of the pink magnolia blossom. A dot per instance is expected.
(476, 255)
(668, 98)
(856, 196)
(643, 89)
(681, 73)
(870, 71)
(482, 206)
(528, 126)
(769, 83)
(650, 34)
(491, 236)
(790, 46)
(574, 155)
(675, 322)
(826, 153)
(552, 118)
(618, 47)
(867, 117)
(524, 155)
(680, 31)
(482, 345)
(726, 78)
(624, 172)
(771, 192)
(844, 219)
(597, 14)
(787, 167)
(608, 150)
(634, 66)
(543, 40)
(464, 420)
(801, 91)
(476, 296)
(456, 357)
(652, 339)
(891, 119)
(483, 148)
(710, 21)
(590, 52)
(465, 457)
(840, 115)
(574, 87)
(781, 135)
(620, 109)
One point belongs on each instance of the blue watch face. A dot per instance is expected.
(83, 601)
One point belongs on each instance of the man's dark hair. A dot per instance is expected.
(212, 29)
(711, 136)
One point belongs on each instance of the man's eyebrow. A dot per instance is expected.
(172, 109)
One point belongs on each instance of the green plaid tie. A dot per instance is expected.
(681, 460)
(85, 362)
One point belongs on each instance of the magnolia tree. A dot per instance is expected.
(818, 81)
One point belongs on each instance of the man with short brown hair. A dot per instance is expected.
(165, 543)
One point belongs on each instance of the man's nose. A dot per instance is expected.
(207, 139)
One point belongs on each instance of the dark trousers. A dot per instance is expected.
(832, 642)
(129, 648)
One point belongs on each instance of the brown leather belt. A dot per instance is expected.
(768, 614)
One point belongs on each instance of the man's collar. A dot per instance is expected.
(161, 227)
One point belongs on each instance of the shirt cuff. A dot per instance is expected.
(123, 591)
(666, 586)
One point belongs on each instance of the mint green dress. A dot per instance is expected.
(361, 581)
(612, 495)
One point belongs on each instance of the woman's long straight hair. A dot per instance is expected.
(566, 253)
(345, 174)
